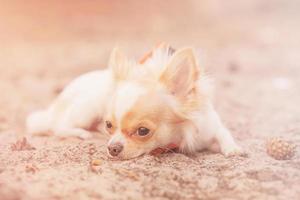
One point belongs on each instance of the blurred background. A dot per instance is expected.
(68, 35)
(44, 44)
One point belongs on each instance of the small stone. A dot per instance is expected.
(233, 67)
(96, 162)
(95, 166)
(129, 174)
(31, 168)
(92, 149)
(95, 169)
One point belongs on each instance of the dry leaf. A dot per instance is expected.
(21, 145)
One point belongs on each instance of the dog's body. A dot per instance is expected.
(165, 100)
(80, 104)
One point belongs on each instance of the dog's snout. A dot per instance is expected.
(115, 149)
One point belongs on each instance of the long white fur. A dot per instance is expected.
(204, 126)
(81, 102)
(86, 98)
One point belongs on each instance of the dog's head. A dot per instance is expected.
(150, 101)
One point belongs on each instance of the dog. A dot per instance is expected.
(163, 101)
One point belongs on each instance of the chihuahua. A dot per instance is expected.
(163, 101)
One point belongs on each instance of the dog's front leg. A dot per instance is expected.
(226, 142)
(222, 135)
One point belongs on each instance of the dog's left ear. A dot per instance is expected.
(118, 62)
(181, 73)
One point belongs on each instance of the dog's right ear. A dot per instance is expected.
(118, 64)
(181, 73)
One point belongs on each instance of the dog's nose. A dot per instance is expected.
(115, 149)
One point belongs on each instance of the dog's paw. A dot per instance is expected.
(84, 135)
(233, 150)
(73, 132)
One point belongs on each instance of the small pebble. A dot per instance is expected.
(96, 162)
(95, 169)
(31, 168)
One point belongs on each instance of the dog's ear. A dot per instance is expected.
(181, 73)
(118, 62)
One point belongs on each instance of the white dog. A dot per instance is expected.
(163, 100)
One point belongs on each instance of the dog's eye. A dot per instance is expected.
(108, 124)
(142, 131)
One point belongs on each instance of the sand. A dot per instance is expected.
(251, 49)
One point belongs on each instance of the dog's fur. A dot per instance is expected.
(168, 93)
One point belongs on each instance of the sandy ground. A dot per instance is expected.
(250, 47)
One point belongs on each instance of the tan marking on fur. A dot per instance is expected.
(149, 111)
(146, 57)
(150, 53)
